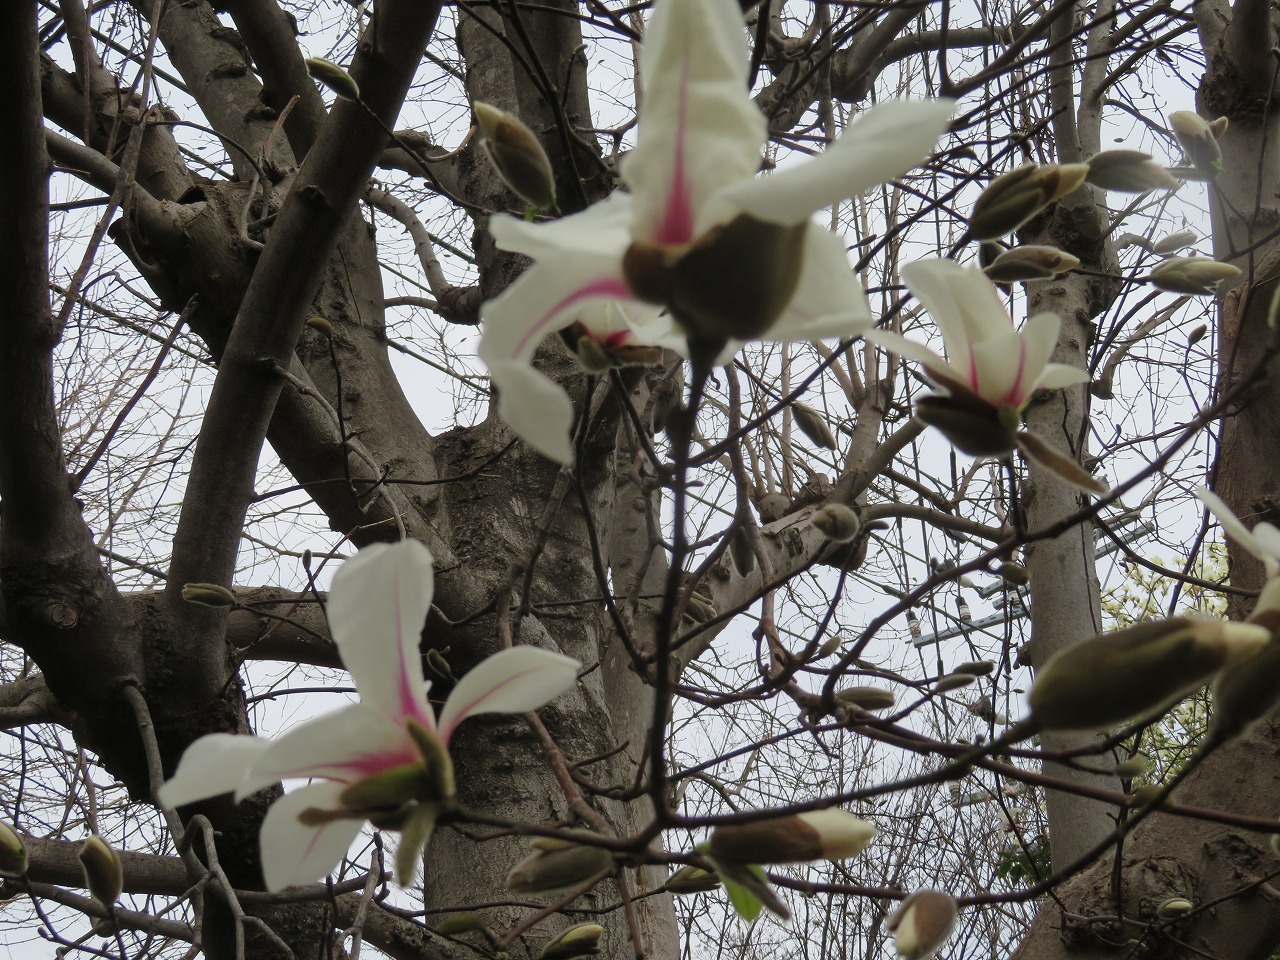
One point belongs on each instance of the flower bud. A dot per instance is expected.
(103, 873)
(813, 426)
(208, 595)
(333, 77)
(953, 681)
(1014, 573)
(1015, 197)
(692, 880)
(1174, 242)
(1129, 171)
(923, 923)
(1172, 909)
(831, 646)
(321, 326)
(824, 834)
(13, 853)
(1197, 334)
(1245, 692)
(435, 760)
(1192, 275)
(564, 866)
(1030, 262)
(1137, 672)
(866, 698)
(581, 940)
(837, 522)
(1133, 767)
(975, 668)
(741, 550)
(415, 832)
(1199, 140)
(517, 155)
(457, 923)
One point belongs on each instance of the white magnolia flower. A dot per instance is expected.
(987, 356)
(730, 255)
(383, 759)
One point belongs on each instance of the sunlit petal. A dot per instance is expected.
(377, 608)
(293, 852)
(213, 765)
(884, 143)
(699, 130)
(345, 746)
(512, 681)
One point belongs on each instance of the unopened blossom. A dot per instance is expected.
(728, 255)
(382, 760)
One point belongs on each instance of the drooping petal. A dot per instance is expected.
(294, 852)
(1238, 532)
(512, 681)
(699, 129)
(828, 301)
(346, 746)
(602, 227)
(884, 143)
(910, 350)
(212, 765)
(1061, 375)
(539, 412)
(377, 608)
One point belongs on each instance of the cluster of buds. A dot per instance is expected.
(1015, 197)
(1136, 673)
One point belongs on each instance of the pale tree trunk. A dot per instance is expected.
(1065, 603)
(1102, 912)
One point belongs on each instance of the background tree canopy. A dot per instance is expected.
(238, 342)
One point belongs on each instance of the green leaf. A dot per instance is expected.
(745, 903)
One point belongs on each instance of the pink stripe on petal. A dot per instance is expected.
(466, 711)
(677, 216)
(612, 288)
(1014, 397)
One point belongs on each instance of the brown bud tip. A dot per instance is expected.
(814, 426)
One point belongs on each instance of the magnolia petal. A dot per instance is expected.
(1238, 532)
(699, 129)
(1041, 336)
(512, 681)
(1268, 538)
(963, 303)
(295, 853)
(1002, 372)
(377, 607)
(345, 746)
(910, 350)
(537, 410)
(883, 143)
(828, 301)
(604, 226)
(1061, 375)
(549, 295)
(211, 766)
